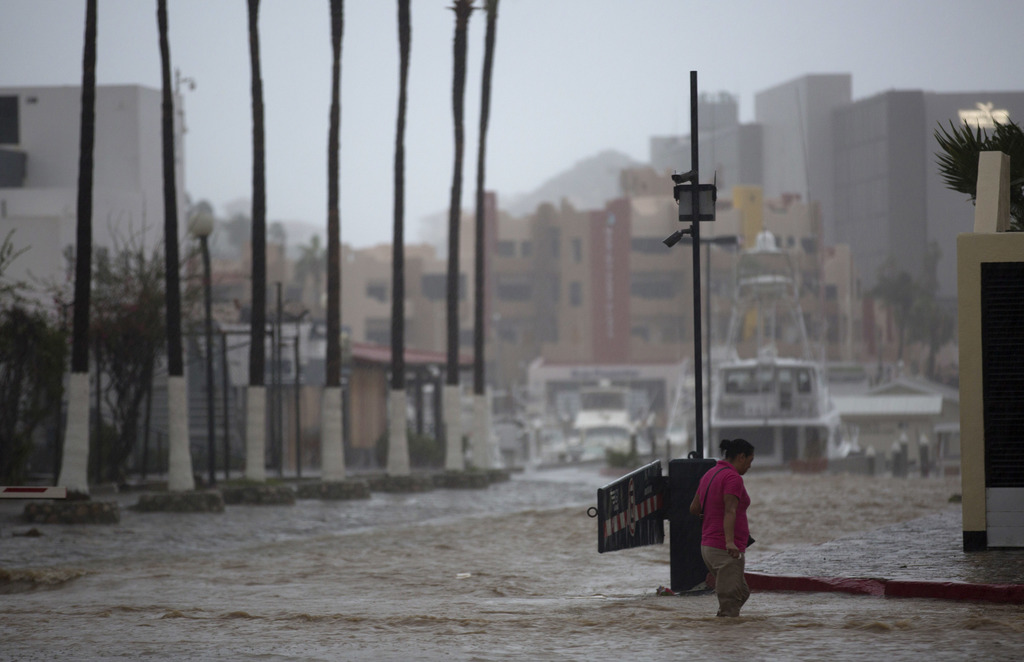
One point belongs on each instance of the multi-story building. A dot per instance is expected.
(890, 201)
(39, 150)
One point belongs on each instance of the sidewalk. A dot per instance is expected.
(922, 558)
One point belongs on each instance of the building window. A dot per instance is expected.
(506, 248)
(378, 331)
(651, 245)
(434, 286)
(513, 288)
(526, 249)
(577, 249)
(575, 293)
(9, 130)
(376, 289)
(652, 285)
(831, 292)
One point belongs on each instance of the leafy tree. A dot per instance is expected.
(930, 322)
(898, 290)
(9, 290)
(958, 161)
(129, 327)
(312, 264)
(32, 356)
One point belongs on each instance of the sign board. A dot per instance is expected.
(631, 510)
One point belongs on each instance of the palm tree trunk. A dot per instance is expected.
(481, 410)
(452, 407)
(398, 443)
(75, 454)
(179, 472)
(256, 398)
(332, 444)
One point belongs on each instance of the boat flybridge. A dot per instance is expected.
(780, 404)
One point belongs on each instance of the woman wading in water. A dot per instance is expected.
(722, 501)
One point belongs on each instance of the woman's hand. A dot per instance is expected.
(733, 550)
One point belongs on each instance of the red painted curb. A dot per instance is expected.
(1011, 593)
(759, 582)
(1006, 593)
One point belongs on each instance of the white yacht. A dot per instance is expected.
(780, 404)
(602, 423)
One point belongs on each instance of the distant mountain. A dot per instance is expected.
(586, 185)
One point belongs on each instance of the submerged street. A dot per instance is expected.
(503, 573)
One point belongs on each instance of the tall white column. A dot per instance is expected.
(398, 438)
(454, 461)
(255, 433)
(332, 448)
(179, 466)
(74, 466)
(481, 432)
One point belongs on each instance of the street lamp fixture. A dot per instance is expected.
(201, 226)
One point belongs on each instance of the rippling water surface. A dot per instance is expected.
(511, 572)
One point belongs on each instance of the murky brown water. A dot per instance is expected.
(507, 573)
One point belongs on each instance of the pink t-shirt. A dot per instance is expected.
(724, 479)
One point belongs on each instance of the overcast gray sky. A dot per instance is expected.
(572, 78)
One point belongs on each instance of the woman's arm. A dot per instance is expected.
(695, 505)
(729, 525)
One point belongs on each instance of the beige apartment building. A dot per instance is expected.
(596, 292)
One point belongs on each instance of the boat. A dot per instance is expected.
(603, 424)
(780, 404)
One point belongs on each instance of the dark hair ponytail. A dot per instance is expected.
(732, 447)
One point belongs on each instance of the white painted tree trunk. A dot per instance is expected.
(255, 433)
(332, 448)
(179, 468)
(482, 457)
(398, 437)
(74, 466)
(454, 460)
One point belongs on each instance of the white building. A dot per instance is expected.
(39, 154)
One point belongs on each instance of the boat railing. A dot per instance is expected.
(767, 407)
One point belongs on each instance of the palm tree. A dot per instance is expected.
(481, 412)
(331, 442)
(898, 290)
(179, 471)
(256, 399)
(312, 264)
(452, 407)
(958, 161)
(398, 443)
(75, 455)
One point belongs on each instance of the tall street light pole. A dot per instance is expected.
(724, 240)
(202, 227)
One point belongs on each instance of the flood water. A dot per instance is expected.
(510, 572)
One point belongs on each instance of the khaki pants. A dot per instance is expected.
(730, 585)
